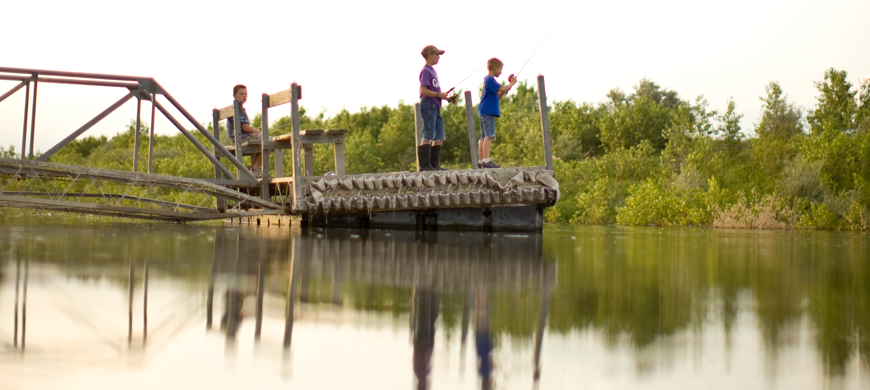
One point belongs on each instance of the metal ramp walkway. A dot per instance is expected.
(75, 189)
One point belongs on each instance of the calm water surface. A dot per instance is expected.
(572, 308)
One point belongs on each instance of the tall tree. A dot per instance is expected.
(836, 106)
(780, 122)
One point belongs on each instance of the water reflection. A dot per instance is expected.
(399, 309)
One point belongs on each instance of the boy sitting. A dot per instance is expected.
(247, 133)
(489, 109)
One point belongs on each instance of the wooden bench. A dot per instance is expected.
(277, 144)
(285, 141)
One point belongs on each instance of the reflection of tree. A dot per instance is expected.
(648, 284)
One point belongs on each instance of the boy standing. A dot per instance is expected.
(248, 133)
(489, 109)
(429, 151)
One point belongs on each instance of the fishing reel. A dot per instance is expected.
(452, 98)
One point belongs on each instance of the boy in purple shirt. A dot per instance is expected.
(429, 151)
(489, 109)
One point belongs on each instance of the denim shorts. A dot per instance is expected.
(433, 125)
(487, 126)
(247, 137)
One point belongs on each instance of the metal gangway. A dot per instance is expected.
(31, 182)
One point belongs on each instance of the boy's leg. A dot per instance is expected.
(487, 143)
(257, 161)
(480, 149)
(428, 111)
(435, 154)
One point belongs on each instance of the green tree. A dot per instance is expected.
(780, 122)
(836, 106)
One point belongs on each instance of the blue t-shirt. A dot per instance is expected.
(429, 78)
(489, 101)
(243, 119)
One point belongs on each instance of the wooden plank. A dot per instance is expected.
(311, 132)
(279, 98)
(224, 113)
(336, 131)
(472, 133)
(545, 123)
(339, 158)
(280, 180)
(252, 148)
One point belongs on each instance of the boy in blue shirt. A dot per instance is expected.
(489, 109)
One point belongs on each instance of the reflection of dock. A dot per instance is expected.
(399, 271)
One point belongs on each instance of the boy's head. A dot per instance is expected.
(240, 93)
(431, 54)
(494, 65)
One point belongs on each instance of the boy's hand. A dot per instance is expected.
(512, 79)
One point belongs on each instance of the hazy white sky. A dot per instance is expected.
(354, 53)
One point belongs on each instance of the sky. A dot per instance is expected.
(354, 54)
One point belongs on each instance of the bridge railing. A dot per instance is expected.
(141, 88)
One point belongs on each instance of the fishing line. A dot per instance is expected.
(475, 71)
(536, 50)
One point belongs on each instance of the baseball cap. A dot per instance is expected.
(429, 50)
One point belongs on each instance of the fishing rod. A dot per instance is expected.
(452, 99)
(533, 53)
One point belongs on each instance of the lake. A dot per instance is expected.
(97, 305)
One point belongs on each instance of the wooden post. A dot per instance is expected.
(418, 128)
(545, 123)
(297, 143)
(237, 132)
(309, 159)
(215, 128)
(339, 157)
(264, 183)
(472, 133)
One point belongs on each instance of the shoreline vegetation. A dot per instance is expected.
(644, 158)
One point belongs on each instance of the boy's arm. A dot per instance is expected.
(425, 91)
(507, 87)
(249, 129)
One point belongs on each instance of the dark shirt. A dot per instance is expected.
(243, 119)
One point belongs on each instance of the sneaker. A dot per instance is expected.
(490, 164)
(479, 165)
